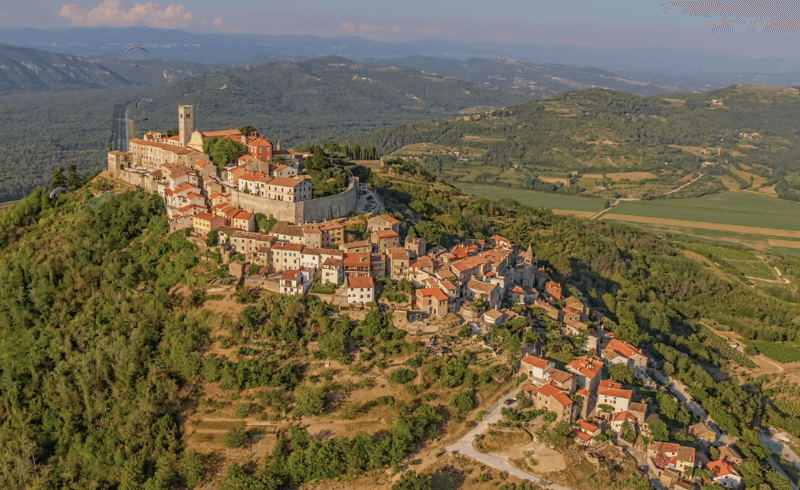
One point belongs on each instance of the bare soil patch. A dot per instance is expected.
(579, 214)
(704, 225)
(494, 440)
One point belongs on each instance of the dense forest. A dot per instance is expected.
(599, 131)
(296, 104)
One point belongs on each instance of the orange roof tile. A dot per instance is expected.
(535, 361)
(436, 293)
(360, 282)
(552, 392)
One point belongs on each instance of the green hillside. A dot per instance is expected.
(305, 103)
(324, 98)
(614, 144)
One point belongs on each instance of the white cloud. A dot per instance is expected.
(113, 13)
(362, 27)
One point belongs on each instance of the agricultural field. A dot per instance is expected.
(777, 351)
(727, 208)
(721, 345)
(536, 199)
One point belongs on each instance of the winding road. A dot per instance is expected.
(492, 415)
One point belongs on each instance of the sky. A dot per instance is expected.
(752, 28)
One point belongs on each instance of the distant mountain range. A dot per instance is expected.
(181, 45)
(32, 69)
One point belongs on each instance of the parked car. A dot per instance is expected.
(510, 401)
(644, 469)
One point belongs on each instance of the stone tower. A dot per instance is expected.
(185, 124)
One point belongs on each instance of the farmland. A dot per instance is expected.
(777, 351)
(536, 199)
(728, 208)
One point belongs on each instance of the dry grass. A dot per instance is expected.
(554, 179)
(704, 225)
(495, 440)
(675, 101)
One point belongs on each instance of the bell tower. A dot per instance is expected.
(185, 124)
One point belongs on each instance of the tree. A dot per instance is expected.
(58, 179)
(413, 481)
(668, 368)
(212, 237)
(621, 373)
(73, 179)
(522, 399)
(278, 160)
(463, 400)
(658, 429)
(402, 376)
(549, 417)
(309, 401)
(223, 150)
(628, 331)
(247, 130)
(265, 224)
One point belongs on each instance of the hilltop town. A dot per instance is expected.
(593, 386)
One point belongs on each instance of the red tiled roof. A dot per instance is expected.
(360, 282)
(292, 247)
(332, 262)
(620, 416)
(259, 142)
(389, 218)
(203, 216)
(721, 468)
(224, 132)
(552, 392)
(244, 215)
(623, 348)
(535, 361)
(290, 275)
(617, 393)
(587, 426)
(286, 181)
(435, 292)
(386, 234)
(582, 436)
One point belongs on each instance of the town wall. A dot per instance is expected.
(316, 210)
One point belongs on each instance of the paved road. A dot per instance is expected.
(492, 415)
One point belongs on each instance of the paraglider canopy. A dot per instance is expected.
(59, 189)
(135, 47)
(139, 100)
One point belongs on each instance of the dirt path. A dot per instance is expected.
(684, 185)
(605, 210)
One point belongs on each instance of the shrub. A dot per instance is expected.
(235, 438)
(402, 376)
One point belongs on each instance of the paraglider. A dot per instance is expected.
(135, 47)
(59, 189)
(139, 100)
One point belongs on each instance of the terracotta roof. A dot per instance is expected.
(292, 247)
(461, 266)
(481, 286)
(586, 367)
(259, 142)
(389, 218)
(617, 393)
(178, 150)
(621, 416)
(360, 243)
(528, 388)
(215, 195)
(244, 215)
(332, 262)
(582, 436)
(721, 468)
(587, 426)
(399, 255)
(386, 234)
(730, 454)
(287, 229)
(535, 361)
(290, 275)
(623, 348)
(559, 376)
(285, 181)
(177, 174)
(203, 216)
(583, 392)
(436, 293)
(224, 132)
(202, 163)
(360, 282)
(192, 195)
(552, 392)
(330, 225)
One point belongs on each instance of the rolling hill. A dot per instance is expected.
(320, 99)
(613, 144)
(32, 69)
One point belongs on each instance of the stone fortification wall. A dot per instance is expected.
(320, 209)
(332, 207)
